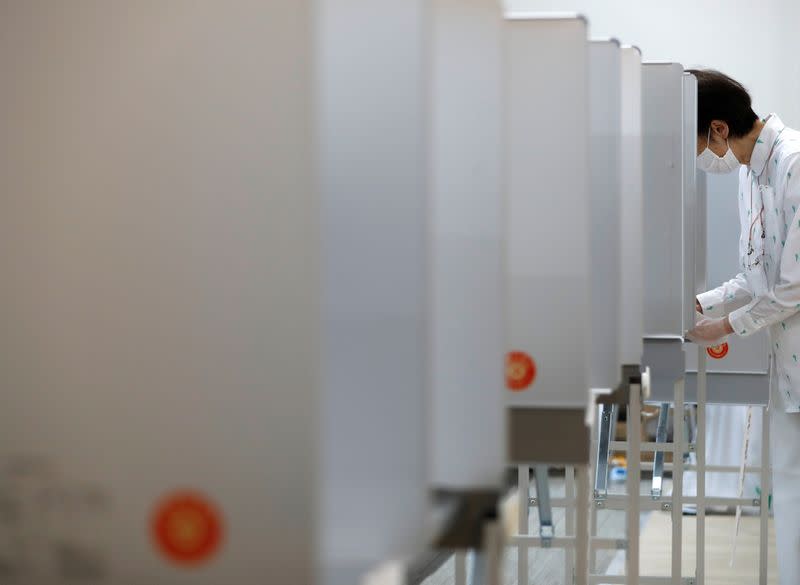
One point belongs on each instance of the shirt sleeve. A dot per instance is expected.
(783, 300)
(724, 299)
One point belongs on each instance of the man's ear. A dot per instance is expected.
(720, 128)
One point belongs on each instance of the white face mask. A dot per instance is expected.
(711, 163)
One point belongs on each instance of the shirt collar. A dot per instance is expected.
(765, 143)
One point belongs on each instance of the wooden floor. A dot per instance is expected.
(546, 567)
(655, 549)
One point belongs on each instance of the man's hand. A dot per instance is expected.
(710, 332)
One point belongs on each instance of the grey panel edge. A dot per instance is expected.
(730, 388)
(611, 40)
(548, 435)
(667, 362)
(525, 15)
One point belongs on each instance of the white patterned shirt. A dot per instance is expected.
(767, 291)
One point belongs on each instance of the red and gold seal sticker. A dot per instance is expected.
(718, 351)
(520, 371)
(187, 528)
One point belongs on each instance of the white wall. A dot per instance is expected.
(751, 42)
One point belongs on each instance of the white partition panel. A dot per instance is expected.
(662, 118)
(373, 135)
(159, 235)
(668, 231)
(605, 62)
(548, 212)
(694, 231)
(631, 210)
(467, 244)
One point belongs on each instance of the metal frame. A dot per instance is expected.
(575, 542)
(578, 544)
(633, 502)
(548, 425)
(674, 503)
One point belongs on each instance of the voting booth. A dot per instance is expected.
(411, 151)
(286, 290)
(659, 127)
(255, 288)
(160, 294)
(605, 64)
(668, 151)
(736, 372)
(548, 361)
(737, 369)
(631, 312)
(373, 140)
(466, 215)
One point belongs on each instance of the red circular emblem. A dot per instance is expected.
(718, 351)
(187, 528)
(520, 370)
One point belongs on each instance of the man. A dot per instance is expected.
(766, 293)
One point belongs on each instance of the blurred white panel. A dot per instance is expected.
(159, 237)
(373, 155)
(548, 211)
(631, 210)
(605, 62)
(468, 245)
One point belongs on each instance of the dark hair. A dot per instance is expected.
(720, 97)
